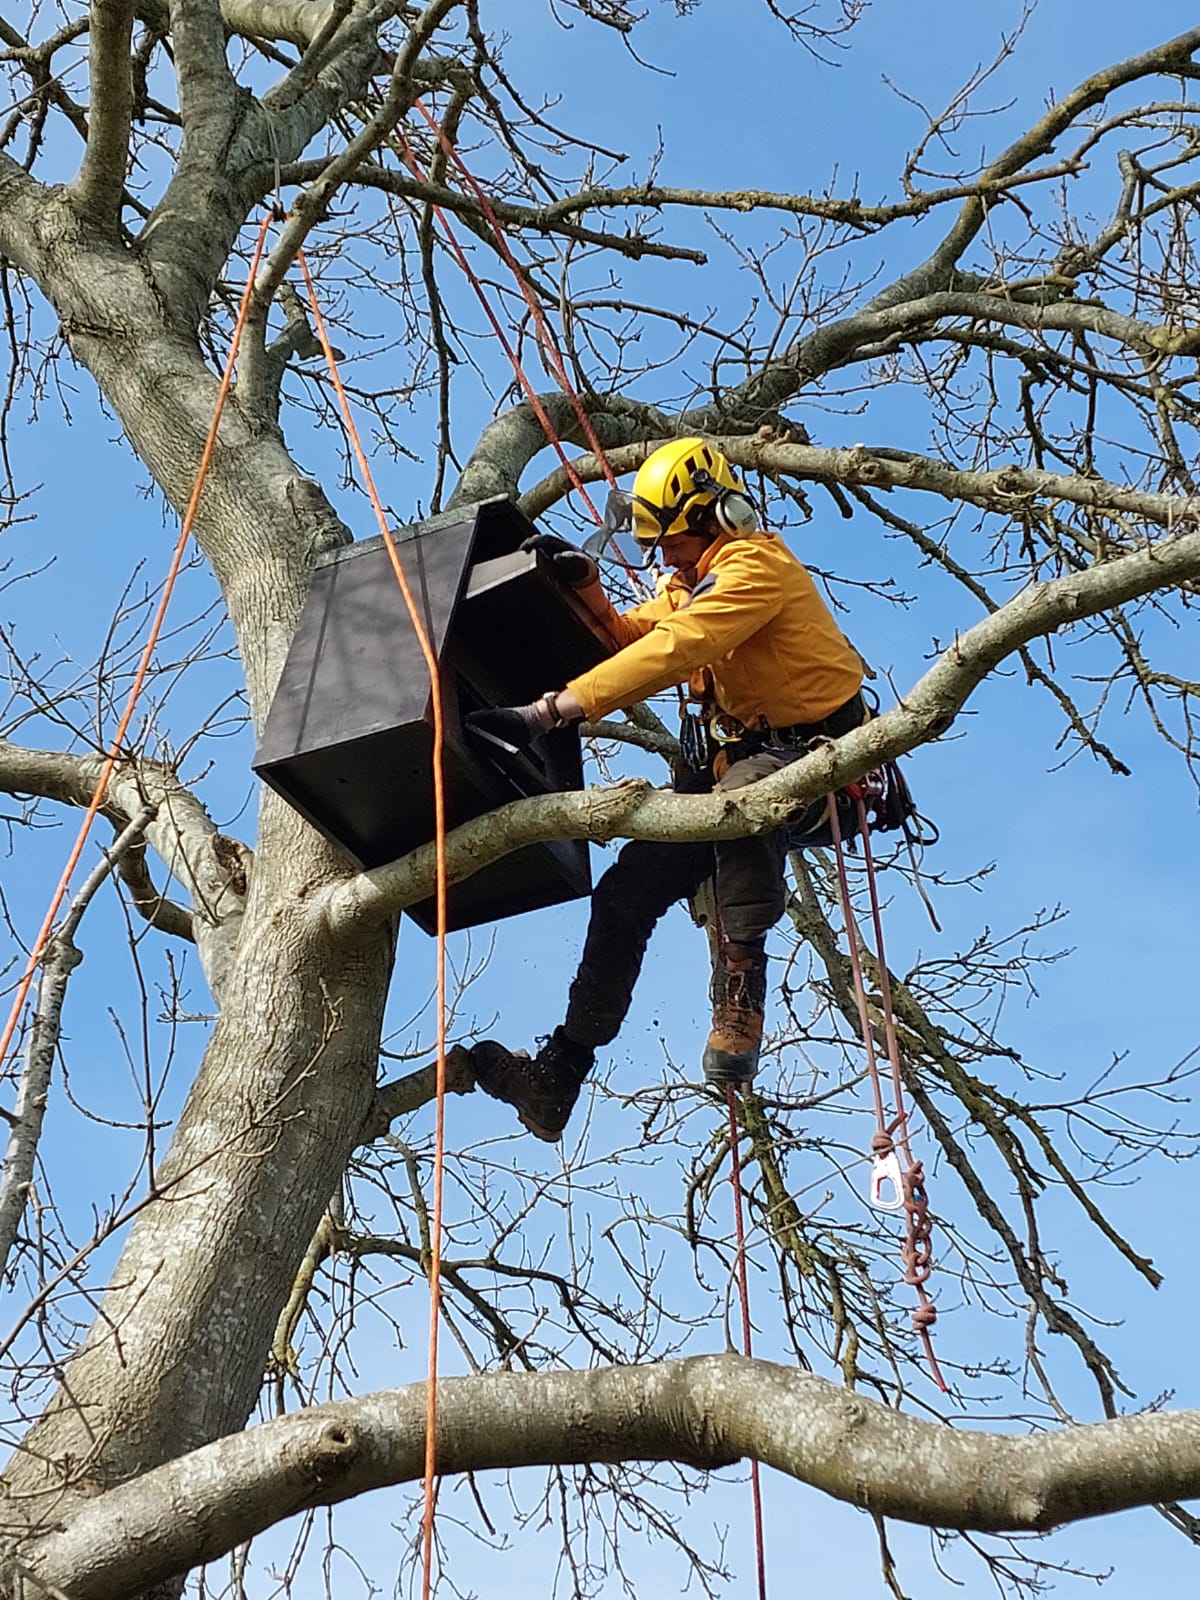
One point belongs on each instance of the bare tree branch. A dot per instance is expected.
(289, 21)
(207, 87)
(22, 199)
(61, 958)
(151, 902)
(707, 1412)
(101, 180)
(402, 90)
(934, 273)
(537, 220)
(211, 868)
(1006, 490)
(854, 212)
(634, 811)
(402, 1096)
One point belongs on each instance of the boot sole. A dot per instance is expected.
(495, 1091)
(536, 1128)
(720, 1068)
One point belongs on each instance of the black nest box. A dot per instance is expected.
(349, 737)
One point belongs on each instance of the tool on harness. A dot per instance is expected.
(695, 746)
(896, 808)
(725, 730)
(889, 800)
(891, 803)
(885, 796)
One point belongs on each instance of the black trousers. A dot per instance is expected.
(649, 877)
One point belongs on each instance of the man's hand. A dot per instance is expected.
(573, 566)
(512, 728)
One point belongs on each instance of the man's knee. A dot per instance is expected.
(748, 920)
(752, 769)
(647, 877)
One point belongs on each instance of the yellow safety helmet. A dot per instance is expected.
(679, 479)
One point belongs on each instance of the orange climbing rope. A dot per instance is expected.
(438, 777)
(531, 394)
(114, 750)
(439, 813)
(546, 339)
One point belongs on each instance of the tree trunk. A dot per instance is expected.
(176, 1356)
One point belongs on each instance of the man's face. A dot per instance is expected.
(681, 551)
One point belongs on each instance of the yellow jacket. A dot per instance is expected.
(753, 617)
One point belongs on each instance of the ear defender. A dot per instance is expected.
(733, 508)
(735, 512)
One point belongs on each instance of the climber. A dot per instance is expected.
(741, 622)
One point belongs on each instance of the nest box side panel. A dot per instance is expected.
(500, 528)
(355, 666)
(551, 636)
(347, 740)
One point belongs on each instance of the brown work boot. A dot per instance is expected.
(542, 1089)
(739, 995)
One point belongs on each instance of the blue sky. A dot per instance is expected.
(735, 110)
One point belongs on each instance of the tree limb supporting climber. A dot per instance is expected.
(740, 623)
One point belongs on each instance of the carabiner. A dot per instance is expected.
(887, 1170)
(720, 730)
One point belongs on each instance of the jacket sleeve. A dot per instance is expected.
(622, 627)
(733, 601)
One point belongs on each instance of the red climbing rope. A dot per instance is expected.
(527, 388)
(908, 1192)
(545, 336)
(747, 1343)
(139, 678)
(549, 346)
(439, 812)
(546, 339)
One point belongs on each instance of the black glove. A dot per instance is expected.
(575, 568)
(512, 728)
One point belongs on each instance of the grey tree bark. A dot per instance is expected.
(709, 1412)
